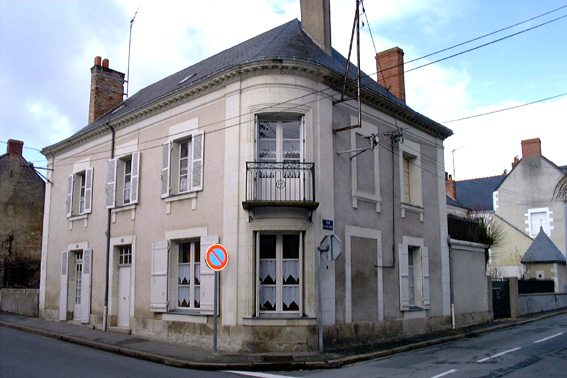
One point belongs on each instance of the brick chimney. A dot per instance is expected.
(107, 88)
(390, 67)
(531, 147)
(316, 22)
(450, 186)
(15, 147)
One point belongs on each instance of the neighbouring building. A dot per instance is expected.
(22, 192)
(246, 149)
(523, 204)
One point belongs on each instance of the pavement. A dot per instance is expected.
(198, 358)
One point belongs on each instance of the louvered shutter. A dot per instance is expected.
(70, 195)
(135, 177)
(425, 270)
(165, 162)
(197, 144)
(63, 285)
(207, 277)
(158, 284)
(88, 190)
(111, 183)
(86, 286)
(404, 278)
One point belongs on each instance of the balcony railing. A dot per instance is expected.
(280, 184)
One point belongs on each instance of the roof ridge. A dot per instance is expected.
(482, 178)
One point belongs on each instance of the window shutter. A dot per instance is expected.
(63, 285)
(404, 277)
(425, 270)
(135, 177)
(197, 144)
(111, 184)
(88, 190)
(86, 286)
(207, 277)
(165, 162)
(70, 195)
(158, 284)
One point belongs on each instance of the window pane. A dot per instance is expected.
(183, 184)
(267, 129)
(268, 298)
(267, 246)
(290, 271)
(267, 272)
(197, 297)
(184, 150)
(197, 257)
(291, 246)
(184, 276)
(291, 129)
(183, 293)
(291, 149)
(127, 167)
(290, 298)
(267, 149)
(185, 252)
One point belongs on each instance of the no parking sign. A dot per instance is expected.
(216, 257)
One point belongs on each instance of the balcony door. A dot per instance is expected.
(280, 146)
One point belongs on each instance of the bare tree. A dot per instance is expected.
(560, 191)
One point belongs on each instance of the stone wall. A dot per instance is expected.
(20, 301)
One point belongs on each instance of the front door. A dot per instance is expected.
(124, 272)
(78, 285)
(124, 296)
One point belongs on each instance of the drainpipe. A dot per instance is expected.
(453, 321)
(107, 233)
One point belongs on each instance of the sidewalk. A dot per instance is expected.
(198, 358)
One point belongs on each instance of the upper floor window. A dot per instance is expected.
(537, 219)
(280, 138)
(410, 174)
(122, 182)
(182, 165)
(79, 193)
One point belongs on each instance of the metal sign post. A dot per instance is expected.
(216, 259)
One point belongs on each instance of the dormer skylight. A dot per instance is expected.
(187, 78)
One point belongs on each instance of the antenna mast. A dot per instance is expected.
(129, 45)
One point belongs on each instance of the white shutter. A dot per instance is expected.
(207, 277)
(158, 283)
(111, 183)
(86, 286)
(165, 162)
(63, 285)
(404, 278)
(135, 177)
(70, 195)
(88, 190)
(197, 144)
(425, 270)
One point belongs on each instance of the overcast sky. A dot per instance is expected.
(48, 47)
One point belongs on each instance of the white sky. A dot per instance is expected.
(48, 47)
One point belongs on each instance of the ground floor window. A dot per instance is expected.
(279, 273)
(188, 275)
(414, 275)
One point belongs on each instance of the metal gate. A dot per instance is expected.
(501, 298)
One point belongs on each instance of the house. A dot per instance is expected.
(251, 148)
(22, 192)
(523, 203)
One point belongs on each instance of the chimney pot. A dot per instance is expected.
(15, 147)
(97, 60)
(390, 67)
(531, 147)
(105, 63)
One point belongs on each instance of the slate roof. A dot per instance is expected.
(542, 251)
(476, 194)
(287, 41)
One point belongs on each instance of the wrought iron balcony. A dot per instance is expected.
(280, 184)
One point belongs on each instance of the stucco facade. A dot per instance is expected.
(276, 289)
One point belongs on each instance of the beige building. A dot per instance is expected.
(244, 149)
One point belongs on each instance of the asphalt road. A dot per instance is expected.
(537, 349)
(27, 355)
